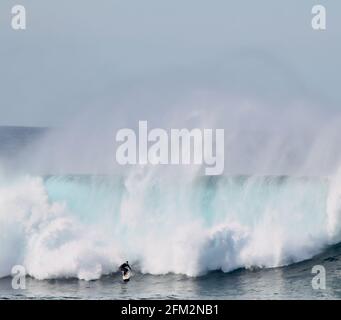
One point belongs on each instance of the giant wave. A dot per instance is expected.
(85, 226)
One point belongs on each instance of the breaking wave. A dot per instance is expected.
(85, 226)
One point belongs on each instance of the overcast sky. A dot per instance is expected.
(83, 54)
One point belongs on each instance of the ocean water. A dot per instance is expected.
(290, 282)
(185, 235)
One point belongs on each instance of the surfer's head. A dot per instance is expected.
(127, 262)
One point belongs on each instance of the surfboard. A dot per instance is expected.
(126, 277)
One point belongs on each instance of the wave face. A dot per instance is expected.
(85, 226)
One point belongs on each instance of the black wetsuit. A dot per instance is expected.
(125, 267)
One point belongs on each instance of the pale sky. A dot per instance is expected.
(83, 54)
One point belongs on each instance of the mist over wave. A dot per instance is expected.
(298, 137)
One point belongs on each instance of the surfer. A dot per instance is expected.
(125, 267)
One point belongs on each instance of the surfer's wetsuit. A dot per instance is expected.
(125, 267)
